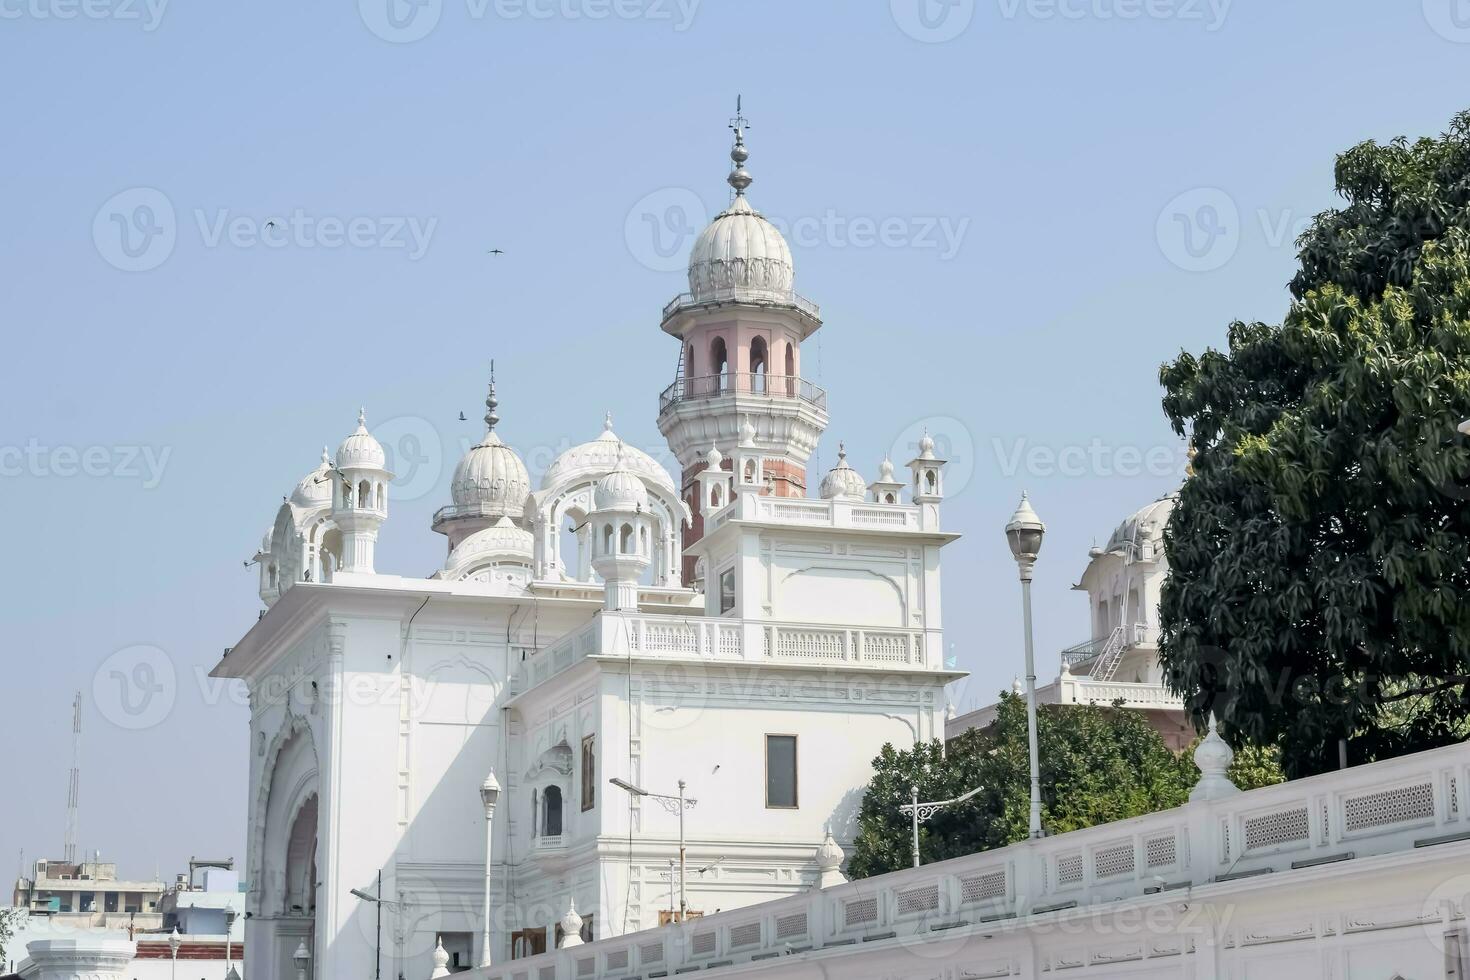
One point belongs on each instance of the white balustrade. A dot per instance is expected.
(1397, 807)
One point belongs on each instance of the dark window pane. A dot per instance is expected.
(781, 770)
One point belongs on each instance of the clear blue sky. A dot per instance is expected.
(1052, 139)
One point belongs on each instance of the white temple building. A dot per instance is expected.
(1120, 662)
(442, 749)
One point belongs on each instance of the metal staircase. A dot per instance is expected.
(1111, 655)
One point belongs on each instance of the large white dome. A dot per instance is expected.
(491, 479)
(601, 456)
(740, 250)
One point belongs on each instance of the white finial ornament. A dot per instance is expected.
(571, 927)
(441, 961)
(1212, 757)
(829, 862)
(607, 422)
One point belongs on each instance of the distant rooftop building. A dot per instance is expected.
(90, 894)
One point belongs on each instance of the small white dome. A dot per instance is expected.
(713, 459)
(829, 854)
(622, 489)
(315, 489)
(740, 250)
(360, 450)
(491, 478)
(926, 446)
(503, 540)
(842, 482)
(885, 471)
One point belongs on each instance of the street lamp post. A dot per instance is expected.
(673, 804)
(1024, 534)
(919, 812)
(174, 942)
(300, 958)
(378, 901)
(489, 794)
(229, 927)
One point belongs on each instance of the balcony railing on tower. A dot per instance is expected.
(763, 385)
(743, 294)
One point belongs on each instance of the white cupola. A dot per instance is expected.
(928, 470)
(885, 489)
(842, 482)
(714, 483)
(622, 535)
(360, 496)
(749, 463)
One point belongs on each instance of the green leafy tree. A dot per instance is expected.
(1320, 553)
(12, 920)
(1098, 764)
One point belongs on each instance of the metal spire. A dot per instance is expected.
(491, 403)
(739, 178)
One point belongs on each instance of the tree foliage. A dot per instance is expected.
(1098, 764)
(1320, 554)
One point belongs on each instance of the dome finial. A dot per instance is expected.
(739, 177)
(362, 418)
(607, 423)
(491, 402)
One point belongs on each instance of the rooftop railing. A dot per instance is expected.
(761, 385)
(743, 294)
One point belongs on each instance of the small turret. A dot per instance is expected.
(360, 496)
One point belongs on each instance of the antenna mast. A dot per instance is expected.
(69, 850)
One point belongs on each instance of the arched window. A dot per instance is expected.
(364, 494)
(625, 539)
(535, 814)
(791, 370)
(930, 480)
(719, 363)
(607, 539)
(643, 540)
(888, 498)
(750, 471)
(382, 497)
(715, 497)
(551, 812)
(758, 358)
(689, 371)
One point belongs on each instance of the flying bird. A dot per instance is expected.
(462, 418)
(495, 251)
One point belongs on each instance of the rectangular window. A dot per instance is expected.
(589, 772)
(727, 591)
(781, 772)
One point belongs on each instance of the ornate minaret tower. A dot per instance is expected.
(740, 329)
